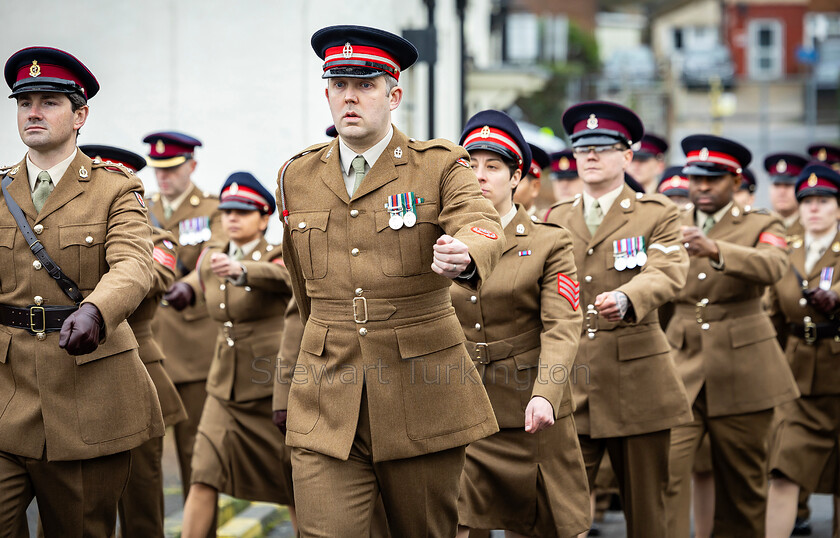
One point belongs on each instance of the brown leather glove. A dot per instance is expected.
(180, 296)
(80, 331)
(279, 420)
(826, 301)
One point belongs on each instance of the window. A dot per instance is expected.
(765, 52)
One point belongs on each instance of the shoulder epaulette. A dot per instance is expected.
(112, 167)
(655, 197)
(543, 223)
(760, 211)
(423, 145)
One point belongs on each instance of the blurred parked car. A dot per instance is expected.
(827, 68)
(702, 66)
(630, 67)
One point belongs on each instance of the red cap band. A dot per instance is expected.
(601, 123)
(245, 195)
(714, 157)
(673, 182)
(48, 71)
(491, 134)
(535, 170)
(361, 56)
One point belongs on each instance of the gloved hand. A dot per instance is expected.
(826, 301)
(279, 420)
(180, 296)
(80, 331)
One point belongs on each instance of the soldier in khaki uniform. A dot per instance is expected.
(724, 342)
(528, 191)
(187, 337)
(783, 169)
(648, 161)
(522, 328)
(630, 260)
(808, 435)
(141, 507)
(384, 396)
(74, 395)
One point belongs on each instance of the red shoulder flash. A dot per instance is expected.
(772, 239)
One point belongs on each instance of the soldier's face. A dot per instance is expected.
(818, 214)
(783, 198)
(566, 189)
(243, 226)
(46, 121)
(646, 171)
(172, 182)
(527, 191)
(494, 178)
(361, 109)
(710, 193)
(744, 197)
(603, 169)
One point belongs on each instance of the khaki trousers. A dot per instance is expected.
(640, 463)
(76, 499)
(337, 498)
(193, 395)
(141, 507)
(739, 462)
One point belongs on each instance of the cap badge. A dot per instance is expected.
(592, 122)
(485, 131)
(625, 203)
(83, 173)
(398, 153)
(34, 69)
(348, 50)
(835, 248)
(822, 154)
(812, 180)
(234, 188)
(704, 154)
(781, 166)
(194, 201)
(563, 164)
(520, 228)
(159, 146)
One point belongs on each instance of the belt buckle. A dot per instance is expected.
(698, 309)
(810, 330)
(591, 321)
(356, 301)
(32, 319)
(482, 353)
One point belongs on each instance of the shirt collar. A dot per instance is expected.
(176, 203)
(371, 155)
(247, 248)
(508, 216)
(702, 215)
(791, 220)
(822, 243)
(55, 172)
(606, 201)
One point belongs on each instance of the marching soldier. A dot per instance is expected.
(724, 343)
(648, 161)
(745, 195)
(628, 252)
(377, 225)
(187, 337)
(528, 191)
(74, 395)
(565, 182)
(674, 185)
(141, 507)
(826, 154)
(804, 447)
(783, 169)
(522, 328)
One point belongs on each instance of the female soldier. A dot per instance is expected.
(522, 330)
(246, 287)
(806, 442)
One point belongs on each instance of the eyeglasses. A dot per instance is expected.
(584, 150)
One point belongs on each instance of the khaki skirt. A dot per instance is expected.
(532, 484)
(805, 445)
(239, 451)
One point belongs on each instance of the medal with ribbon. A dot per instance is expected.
(409, 209)
(641, 256)
(631, 248)
(826, 276)
(620, 256)
(395, 222)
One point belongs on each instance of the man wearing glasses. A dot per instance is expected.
(630, 261)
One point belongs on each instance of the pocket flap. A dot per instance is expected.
(5, 340)
(82, 234)
(302, 221)
(528, 359)
(7, 236)
(314, 338)
(426, 212)
(414, 340)
(750, 330)
(642, 344)
(120, 340)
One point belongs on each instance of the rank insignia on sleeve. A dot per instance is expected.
(486, 233)
(164, 258)
(772, 239)
(140, 199)
(569, 290)
(463, 162)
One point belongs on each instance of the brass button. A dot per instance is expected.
(354, 213)
(301, 225)
(222, 306)
(247, 288)
(41, 336)
(705, 326)
(37, 265)
(39, 228)
(591, 251)
(473, 299)
(359, 292)
(230, 342)
(587, 278)
(228, 324)
(222, 287)
(804, 284)
(39, 300)
(478, 326)
(354, 252)
(89, 240)
(701, 276)
(362, 332)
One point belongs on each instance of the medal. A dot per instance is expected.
(825, 278)
(409, 213)
(631, 247)
(620, 263)
(641, 257)
(395, 209)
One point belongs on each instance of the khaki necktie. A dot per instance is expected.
(708, 224)
(594, 217)
(358, 166)
(42, 190)
(167, 211)
(815, 252)
(237, 254)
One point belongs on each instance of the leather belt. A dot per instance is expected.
(811, 332)
(361, 309)
(703, 311)
(35, 319)
(485, 353)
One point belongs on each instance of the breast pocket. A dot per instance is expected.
(309, 237)
(8, 282)
(83, 252)
(407, 251)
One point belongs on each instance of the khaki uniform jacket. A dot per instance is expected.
(338, 249)
(729, 345)
(814, 365)
(521, 324)
(287, 356)
(249, 322)
(615, 371)
(140, 321)
(67, 407)
(187, 337)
